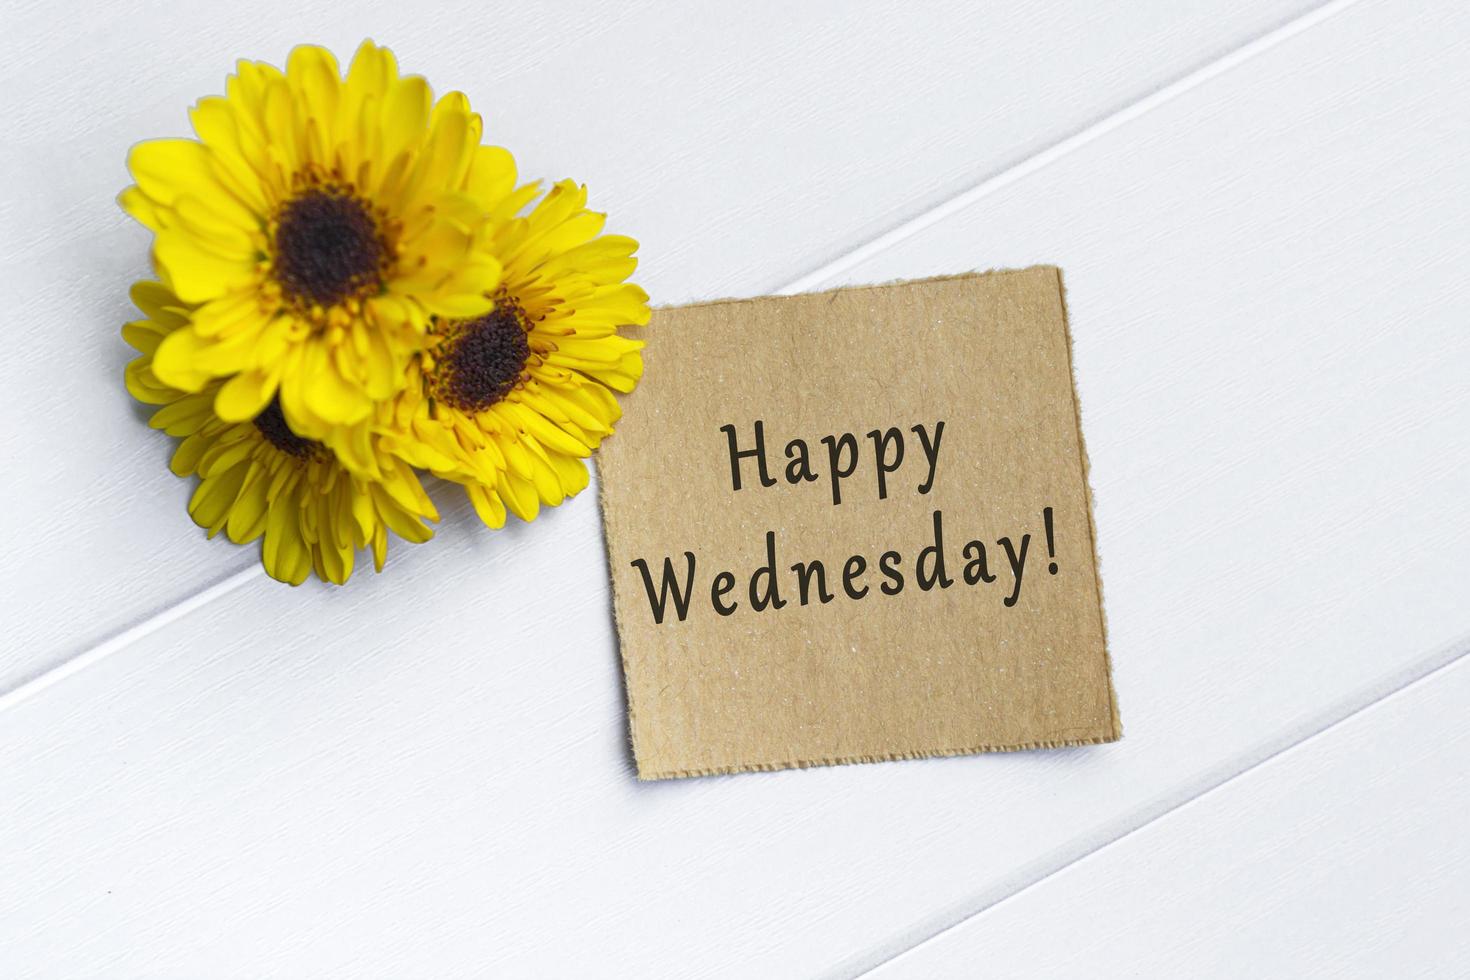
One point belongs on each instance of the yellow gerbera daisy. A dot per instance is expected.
(314, 227)
(510, 402)
(259, 478)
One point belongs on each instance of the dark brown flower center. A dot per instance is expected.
(327, 247)
(272, 425)
(483, 360)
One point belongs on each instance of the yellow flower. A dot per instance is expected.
(258, 478)
(315, 226)
(510, 402)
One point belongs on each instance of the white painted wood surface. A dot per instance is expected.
(1264, 230)
(1343, 856)
(743, 145)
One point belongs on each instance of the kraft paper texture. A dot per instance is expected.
(899, 646)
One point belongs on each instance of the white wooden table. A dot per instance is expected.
(1263, 211)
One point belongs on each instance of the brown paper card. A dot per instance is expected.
(979, 665)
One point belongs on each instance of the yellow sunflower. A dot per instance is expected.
(259, 478)
(314, 228)
(511, 401)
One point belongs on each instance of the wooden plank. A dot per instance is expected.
(428, 772)
(1345, 856)
(742, 146)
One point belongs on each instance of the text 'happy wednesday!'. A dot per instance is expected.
(809, 580)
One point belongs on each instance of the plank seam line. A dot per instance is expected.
(1088, 134)
(46, 679)
(1243, 765)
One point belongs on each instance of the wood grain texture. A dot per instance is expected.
(428, 773)
(742, 145)
(1345, 856)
